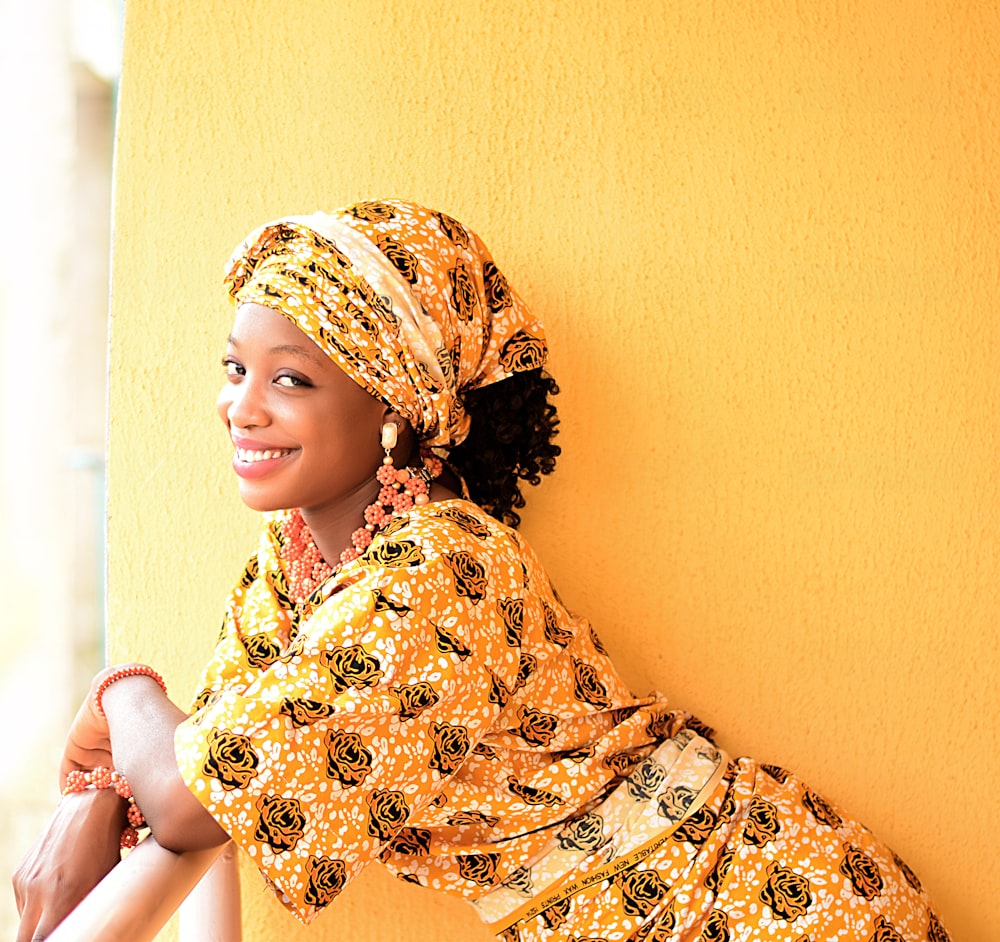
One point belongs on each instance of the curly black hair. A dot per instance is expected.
(509, 441)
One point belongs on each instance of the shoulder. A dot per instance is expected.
(440, 530)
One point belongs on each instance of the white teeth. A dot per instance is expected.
(251, 456)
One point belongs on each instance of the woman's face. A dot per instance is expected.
(306, 435)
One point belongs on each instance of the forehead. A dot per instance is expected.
(264, 329)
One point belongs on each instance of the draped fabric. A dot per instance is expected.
(406, 300)
(432, 705)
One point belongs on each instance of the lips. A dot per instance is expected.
(250, 456)
(256, 459)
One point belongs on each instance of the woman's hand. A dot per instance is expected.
(88, 743)
(78, 848)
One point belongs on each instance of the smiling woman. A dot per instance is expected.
(397, 680)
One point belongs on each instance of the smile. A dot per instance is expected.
(249, 457)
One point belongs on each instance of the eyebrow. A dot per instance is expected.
(290, 348)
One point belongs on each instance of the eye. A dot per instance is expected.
(291, 381)
(232, 368)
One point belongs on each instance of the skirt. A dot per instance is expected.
(762, 857)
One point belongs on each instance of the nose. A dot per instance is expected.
(242, 405)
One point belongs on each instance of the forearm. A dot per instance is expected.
(142, 722)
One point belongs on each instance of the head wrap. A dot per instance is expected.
(407, 301)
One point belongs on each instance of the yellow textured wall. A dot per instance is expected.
(764, 237)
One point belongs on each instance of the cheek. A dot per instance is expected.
(222, 404)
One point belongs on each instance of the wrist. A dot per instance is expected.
(112, 675)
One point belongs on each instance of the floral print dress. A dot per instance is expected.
(434, 706)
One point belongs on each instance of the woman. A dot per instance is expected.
(397, 680)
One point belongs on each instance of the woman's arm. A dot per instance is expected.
(141, 723)
(80, 845)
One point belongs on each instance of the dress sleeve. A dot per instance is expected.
(334, 743)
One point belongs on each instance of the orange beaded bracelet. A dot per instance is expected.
(132, 670)
(103, 777)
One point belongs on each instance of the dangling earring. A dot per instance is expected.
(390, 435)
(400, 491)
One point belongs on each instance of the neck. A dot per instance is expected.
(332, 525)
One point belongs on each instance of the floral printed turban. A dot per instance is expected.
(407, 301)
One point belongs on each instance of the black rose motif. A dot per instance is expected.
(621, 762)
(451, 746)
(775, 771)
(469, 818)
(908, 874)
(410, 878)
(372, 211)
(327, 877)
(661, 725)
(387, 812)
(499, 694)
(641, 891)
(862, 871)
(728, 808)
(463, 291)
(587, 685)
(786, 892)
(935, 931)
(201, 700)
(486, 752)
(577, 755)
(466, 522)
(596, 642)
(384, 604)
(470, 575)
(512, 613)
(885, 931)
(533, 796)
(675, 801)
(415, 698)
(351, 666)
(249, 576)
(554, 634)
(303, 712)
(522, 352)
(520, 881)
(821, 810)
(449, 644)
(391, 529)
(347, 760)
(275, 578)
(402, 258)
(526, 665)
(555, 915)
(537, 727)
(762, 822)
(720, 871)
(716, 928)
(396, 554)
(497, 289)
(479, 868)
(585, 833)
(411, 841)
(281, 823)
(696, 827)
(231, 758)
(660, 929)
(452, 228)
(645, 780)
(431, 383)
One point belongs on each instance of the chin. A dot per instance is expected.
(264, 503)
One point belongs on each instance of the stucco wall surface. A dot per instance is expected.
(764, 240)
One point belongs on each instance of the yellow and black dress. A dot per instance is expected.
(434, 706)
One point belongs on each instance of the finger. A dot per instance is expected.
(26, 927)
